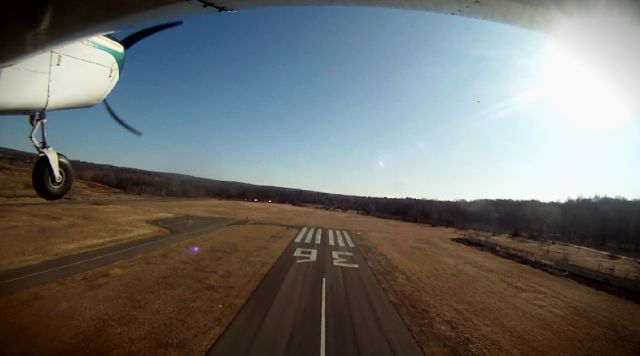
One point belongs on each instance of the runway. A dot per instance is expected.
(319, 298)
(180, 228)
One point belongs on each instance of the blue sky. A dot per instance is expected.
(350, 100)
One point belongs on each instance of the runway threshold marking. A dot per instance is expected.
(301, 234)
(339, 235)
(340, 238)
(348, 239)
(309, 236)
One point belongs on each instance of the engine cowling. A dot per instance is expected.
(77, 75)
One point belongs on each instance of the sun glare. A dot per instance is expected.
(582, 93)
(587, 71)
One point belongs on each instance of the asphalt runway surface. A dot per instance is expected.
(180, 228)
(319, 298)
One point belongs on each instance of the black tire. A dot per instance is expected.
(44, 182)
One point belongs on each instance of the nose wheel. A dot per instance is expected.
(52, 175)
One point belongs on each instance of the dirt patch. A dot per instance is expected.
(172, 301)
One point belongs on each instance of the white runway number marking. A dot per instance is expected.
(341, 261)
(308, 254)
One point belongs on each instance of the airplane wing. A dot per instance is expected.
(30, 26)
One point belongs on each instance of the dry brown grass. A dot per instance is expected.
(170, 301)
(455, 299)
(618, 266)
(459, 300)
(34, 233)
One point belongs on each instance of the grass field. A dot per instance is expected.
(455, 299)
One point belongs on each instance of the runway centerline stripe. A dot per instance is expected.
(348, 239)
(331, 241)
(300, 234)
(322, 318)
(309, 236)
(340, 242)
(318, 236)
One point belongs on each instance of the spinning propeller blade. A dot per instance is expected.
(136, 37)
(127, 42)
(119, 120)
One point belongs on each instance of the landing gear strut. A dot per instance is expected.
(52, 174)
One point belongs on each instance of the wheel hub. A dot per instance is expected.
(52, 180)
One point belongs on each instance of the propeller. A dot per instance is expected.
(119, 120)
(127, 43)
(136, 37)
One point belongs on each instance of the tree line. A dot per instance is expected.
(611, 224)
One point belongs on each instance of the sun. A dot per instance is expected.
(581, 93)
(581, 76)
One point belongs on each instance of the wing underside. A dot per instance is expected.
(32, 26)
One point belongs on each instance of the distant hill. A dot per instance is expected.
(138, 181)
(606, 223)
